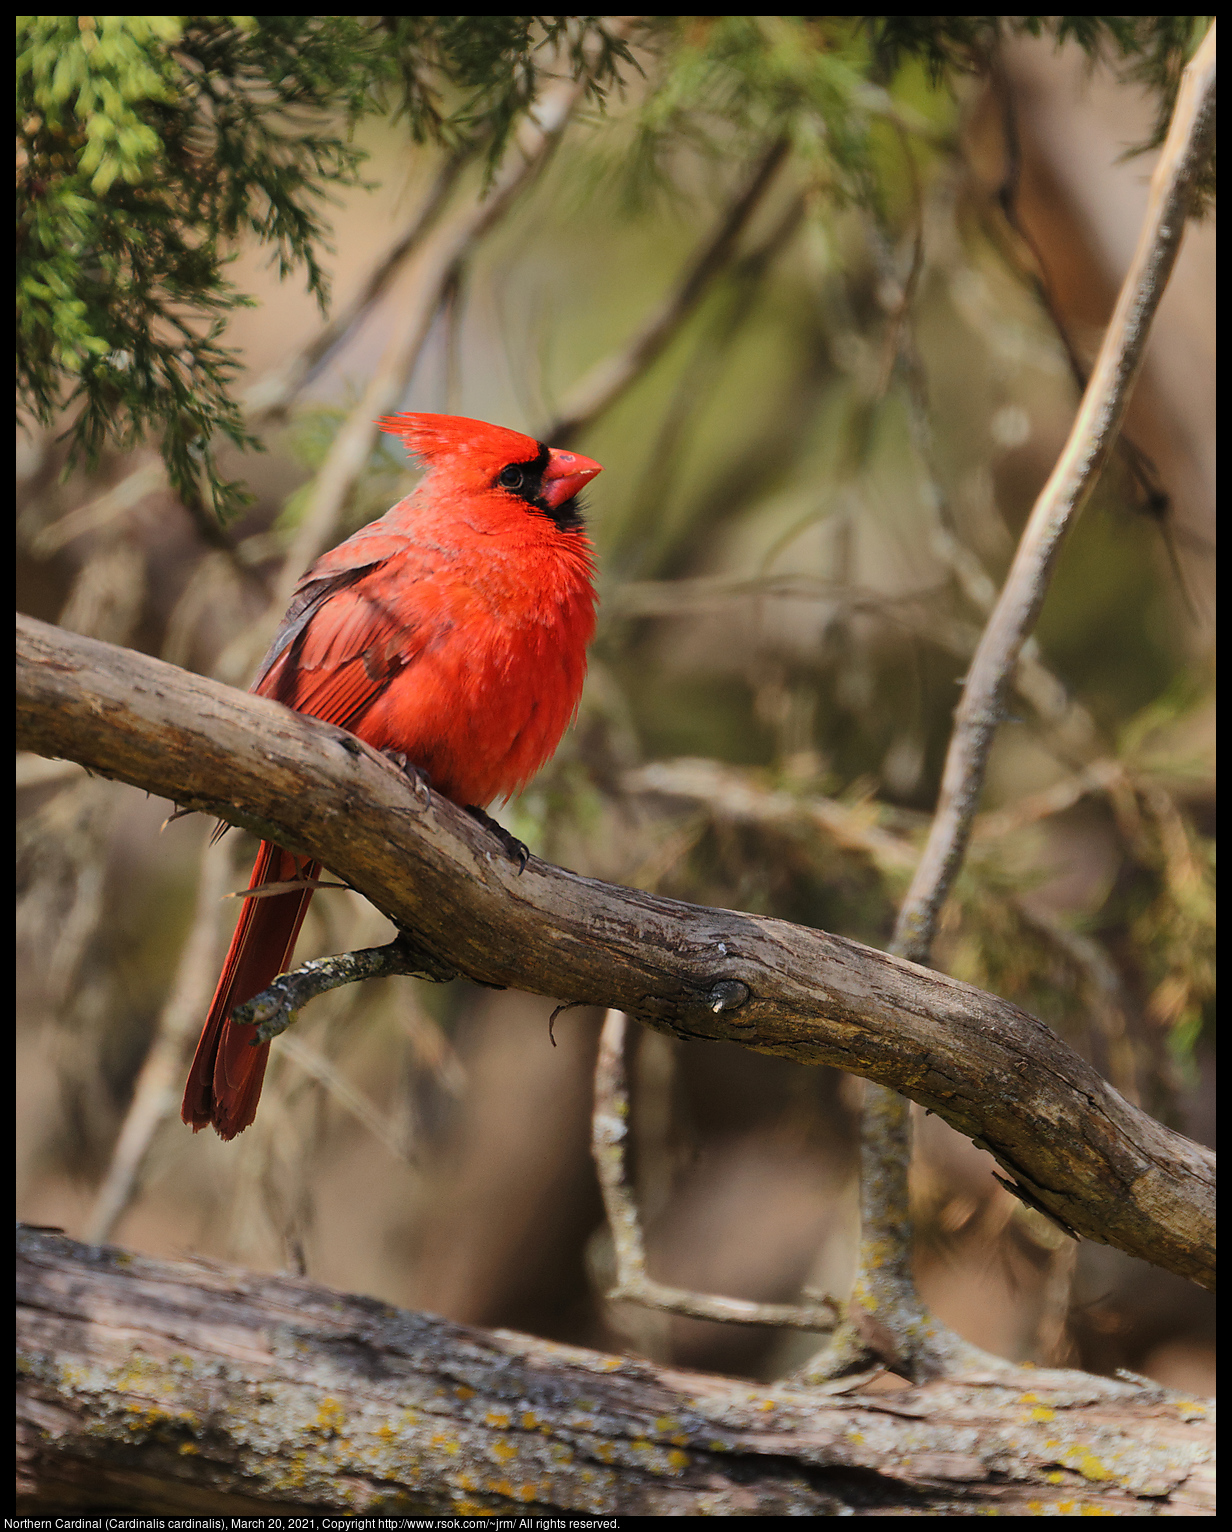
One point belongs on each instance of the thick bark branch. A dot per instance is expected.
(1071, 1143)
(193, 1387)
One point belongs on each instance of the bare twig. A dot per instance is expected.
(1067, 728)
(1052, 1344)
(633, 1284)
(269, 396)
(599, 389)
(730, 791)
(348, 1096)
(97, 513)
(156, 1095)
(709, 593)
(276, 1007)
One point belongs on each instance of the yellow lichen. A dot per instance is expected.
(330, 1417)
(1088, 1465)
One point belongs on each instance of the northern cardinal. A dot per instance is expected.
(451, 633)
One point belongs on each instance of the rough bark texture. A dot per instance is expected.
(1071, 1144)
(189, 1386)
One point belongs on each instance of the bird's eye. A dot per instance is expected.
(511, 478)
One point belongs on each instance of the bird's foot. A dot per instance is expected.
(516, 850)
(419, 779)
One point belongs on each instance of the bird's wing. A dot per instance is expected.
(341, 643)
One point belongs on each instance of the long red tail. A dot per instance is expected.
(224, 1083)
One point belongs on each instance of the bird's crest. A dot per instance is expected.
(441, 438)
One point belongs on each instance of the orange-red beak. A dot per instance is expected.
(565, 474)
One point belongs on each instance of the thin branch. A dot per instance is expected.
(1070, 1142)
(348, 1096)
(100, 511)
(710, 593)
(733, 793)
(277, 1006)
(633, 1284)
(1068, 729)
(269, 396)
(156, 1095)
(609, 378)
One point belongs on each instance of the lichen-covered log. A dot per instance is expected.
(1071, 1144)
(190, 1386)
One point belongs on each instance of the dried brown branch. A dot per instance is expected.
(731, 792)
(633, 1283)
(1070, 1142)
(189, 1386)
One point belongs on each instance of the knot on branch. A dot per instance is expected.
(726, 995)
(719, 998)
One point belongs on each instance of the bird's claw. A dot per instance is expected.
(516, 850)
(419, 779)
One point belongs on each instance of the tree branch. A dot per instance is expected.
(190, 1386)
(1071, 1143)
(609, 1135)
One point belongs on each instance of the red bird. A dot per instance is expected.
(452, 631)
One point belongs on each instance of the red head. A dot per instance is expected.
(484, 456)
